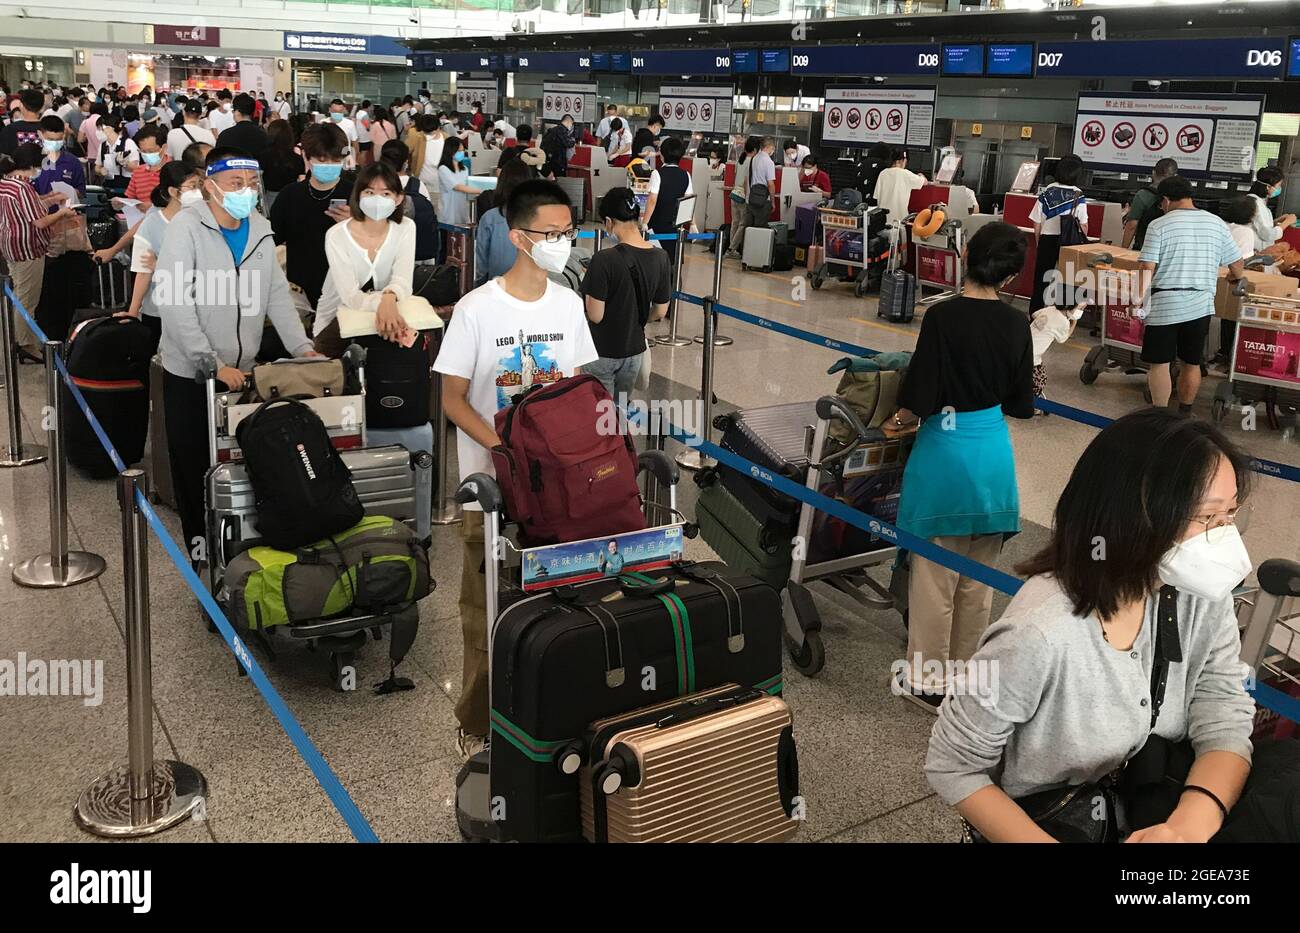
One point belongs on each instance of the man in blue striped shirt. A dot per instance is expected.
(1180, 262)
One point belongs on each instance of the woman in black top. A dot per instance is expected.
(281, 166)
(626, 287)
(973, 364)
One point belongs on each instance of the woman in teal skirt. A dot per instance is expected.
(972, 367)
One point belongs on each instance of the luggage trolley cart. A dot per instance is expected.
(1264, 363)
(385, 479)
(1270, 628)
(855, 234)
(939, 259)
(513, 574)
(872, 462)
(1121, 331)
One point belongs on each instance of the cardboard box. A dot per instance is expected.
(1228, 305)
(1075, 270)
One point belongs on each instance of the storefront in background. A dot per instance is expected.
(350, 67)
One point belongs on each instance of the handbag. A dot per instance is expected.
(311, 378)
(1149, 784)
(69, 235)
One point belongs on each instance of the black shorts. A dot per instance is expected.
(366, 147)
(1186, 341)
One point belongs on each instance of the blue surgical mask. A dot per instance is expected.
(52, 145)
(239, 204)
(336, 116)
(462, 158)
(326, 172)
(151, 158)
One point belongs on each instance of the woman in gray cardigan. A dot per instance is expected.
(1059, 691)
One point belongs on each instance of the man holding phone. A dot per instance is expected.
(304, 211)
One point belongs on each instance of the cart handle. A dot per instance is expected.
(832, 406)
(480, 488)
(1279, 577)
(1100, 259)
(660, 465)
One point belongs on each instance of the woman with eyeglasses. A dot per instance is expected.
(1060, 692)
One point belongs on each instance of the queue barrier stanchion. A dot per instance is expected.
(446, 510)
(671, 339)
(692, 458)
(16, 453)
(144, 796)
(60, 567)
(711, 333)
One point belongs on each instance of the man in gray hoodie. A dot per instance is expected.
(216, 281)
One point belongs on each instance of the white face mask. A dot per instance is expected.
(551, 257)
(1207, 570)
(377, 207)
(191, 196)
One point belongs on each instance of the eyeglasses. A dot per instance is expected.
(554, 236)
(1216, 523)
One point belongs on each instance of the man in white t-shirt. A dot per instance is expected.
(281, 106)
(179, 139)
(338, 114)
(518, 329)
(223, 118)
(895, 185)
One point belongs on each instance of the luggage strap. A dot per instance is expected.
(533, 749)
(683, 642)
(614, 673)
(730, 601)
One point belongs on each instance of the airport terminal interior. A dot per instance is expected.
(894, 142)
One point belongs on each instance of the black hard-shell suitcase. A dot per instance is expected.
(775, 438)
(897, 296)
(567, 657)
(108, 360)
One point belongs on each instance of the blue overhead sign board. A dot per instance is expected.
(1164, 58)
(964, 60)
(338, 43)
(555, 63)
(843, 60)
(682, 62)
(455, 61)
(620, 61)
(1293, 69)
(744, 61)
(776, 61)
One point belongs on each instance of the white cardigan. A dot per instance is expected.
(351, 268)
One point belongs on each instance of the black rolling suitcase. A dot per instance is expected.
(108, 360)
(567, 657)
(776, 439)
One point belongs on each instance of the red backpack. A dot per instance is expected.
(562, 479)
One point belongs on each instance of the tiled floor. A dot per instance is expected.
(860, 748)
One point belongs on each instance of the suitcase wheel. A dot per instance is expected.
(767, 269)
(744, 267)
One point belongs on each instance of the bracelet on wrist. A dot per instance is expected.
(1196, 788)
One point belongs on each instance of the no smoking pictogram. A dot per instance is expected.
(1093, 133)
(894, 120)
(1190, 138)
(1123, 135)
(834, 117)
(873, 119)
(1155, 137)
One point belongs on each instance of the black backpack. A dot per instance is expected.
(426, 221)
(1144, 220)
(438, 285)
(301, 485)
(397, 382)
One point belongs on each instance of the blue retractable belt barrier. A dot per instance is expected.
(691, 299)
(689, 236)
(1258, 465)
(329, 782)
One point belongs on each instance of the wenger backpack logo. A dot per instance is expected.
(306, 461)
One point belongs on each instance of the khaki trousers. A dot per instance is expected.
(28, 278)
(472, 708)
(947, 613)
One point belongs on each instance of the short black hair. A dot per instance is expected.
(245, 105)
(395, 154)
(131, 113)
(1238, 210)
(810, 160)
(323, 141)
(995, 253)
(52, 124)
(523, 133)
(1135, 488)
(1176, 188)
(529, 197)
(27, 156)
(672, 150)
(896, 153)
(1164, 168)
(655, 119)
(224, 94)
(619, 205)
(151, 131)
(217, 153)
(1068, 170)
(32, 100)
(790, 144)
(1269, 175)
(172, 175)
(194, 154)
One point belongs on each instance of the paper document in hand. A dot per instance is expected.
(62, 187)
(133, 211)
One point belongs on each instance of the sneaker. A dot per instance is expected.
(930, 702)
(468, 745)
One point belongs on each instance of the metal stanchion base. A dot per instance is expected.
(26, 455)
(668, 340)
(39, 572)
(450, 514)
(692, 459)
(105, 808)
(718, 340)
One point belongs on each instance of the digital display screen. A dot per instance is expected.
(775, 61)
(1293, 68)
(600, 61)
(1013, 60)
(963, 60)
(620, 61)
(744, 61)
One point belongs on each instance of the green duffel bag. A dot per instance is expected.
(375, 564)
(870, 386)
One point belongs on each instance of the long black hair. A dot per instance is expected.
(1129, 500)
(172, 175)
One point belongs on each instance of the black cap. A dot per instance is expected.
(194, 106)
